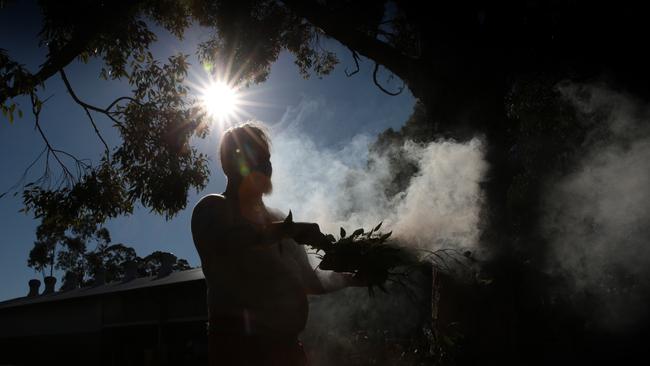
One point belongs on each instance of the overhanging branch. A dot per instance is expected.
(87, 107)
(36, 111)
(318, 15)
(376, 81)
(82, 37)
(105, 111)
(355, 56)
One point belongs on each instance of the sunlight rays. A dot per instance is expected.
(221, 95)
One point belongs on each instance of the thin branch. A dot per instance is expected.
(77, 161)
(321, 17)
(106, 111)
(121, 99)
(36, 110)
(92, 122)
(374, 79)
(355, 56)
(23, 177)
(66, 175)
(45, 178)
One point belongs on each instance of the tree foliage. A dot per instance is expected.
(154, 164)
(433, 51)
(81, 266)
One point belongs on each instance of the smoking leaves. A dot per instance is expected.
(366, 254)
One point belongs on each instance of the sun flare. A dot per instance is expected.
(220, 100)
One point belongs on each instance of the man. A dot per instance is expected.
(258, 275)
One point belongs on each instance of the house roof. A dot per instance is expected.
(194, 274)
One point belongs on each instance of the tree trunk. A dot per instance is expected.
(469, 102)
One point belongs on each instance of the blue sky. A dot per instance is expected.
(338, 107)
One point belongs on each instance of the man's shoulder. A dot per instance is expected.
(211, 202)
(211, 199)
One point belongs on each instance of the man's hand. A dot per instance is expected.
(305, 233)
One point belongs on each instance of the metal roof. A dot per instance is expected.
(193, 274)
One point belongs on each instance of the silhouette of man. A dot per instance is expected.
(258, 276)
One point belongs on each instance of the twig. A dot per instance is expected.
(374, 79)
(101, 138)
(25, 172)
(355, 56)
(36, 110)
(105, 111)
(66, 176)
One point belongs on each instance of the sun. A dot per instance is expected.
(220, 100)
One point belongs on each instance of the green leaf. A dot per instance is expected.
(342, 233)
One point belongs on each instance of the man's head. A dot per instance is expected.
(245, 158)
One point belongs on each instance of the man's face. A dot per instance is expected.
(255, 168)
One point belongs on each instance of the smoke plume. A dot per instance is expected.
(350, 187)
(434, 205)
(597, 217)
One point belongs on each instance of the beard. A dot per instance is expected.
(258, 184)
(268, 187)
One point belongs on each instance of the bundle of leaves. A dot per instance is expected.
(369, 255)
(372, 257)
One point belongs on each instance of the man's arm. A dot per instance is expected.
(213, 226)
(316, 281)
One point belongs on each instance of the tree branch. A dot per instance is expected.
(101, 138)
(401, 65)
(58, 58)
(107, 111)
(355, 56)
(66, 174)
(121, 99)
(374, 79)
(36, 110)
(87, 108)
(24, 175)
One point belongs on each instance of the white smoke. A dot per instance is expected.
(349, 186)
(597, 218)
(339, 188)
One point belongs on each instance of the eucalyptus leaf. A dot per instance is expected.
(385, 236)
(289, 218)
(378, 226)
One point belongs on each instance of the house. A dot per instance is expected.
(140, 321)
(161, 320)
